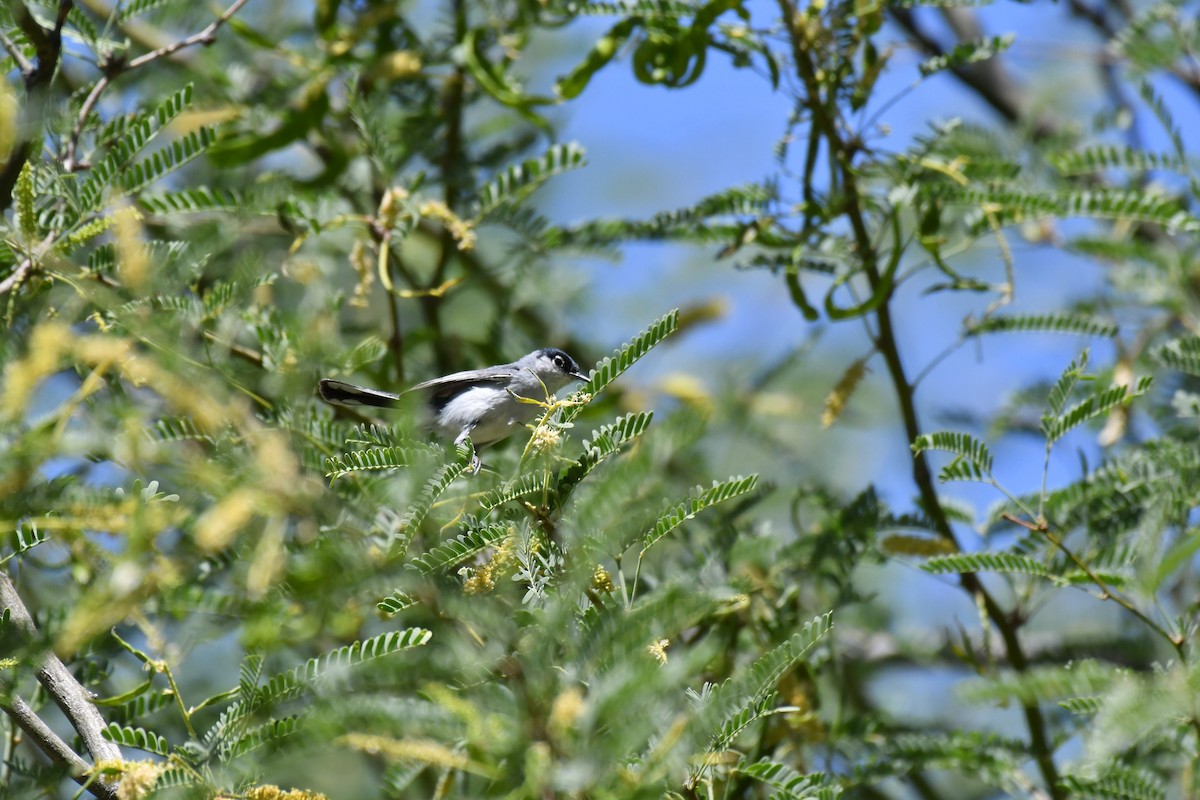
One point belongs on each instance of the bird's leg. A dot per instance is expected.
(476, 463)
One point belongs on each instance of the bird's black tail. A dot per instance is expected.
(347, 394)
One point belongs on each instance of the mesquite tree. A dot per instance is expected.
(226, 587)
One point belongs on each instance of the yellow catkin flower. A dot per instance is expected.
(565, 713)
(903, 544)
(133, 259)
(137, 777)
(460, 229)
(398, 66)
(269, 792)
(426, 751)
(364, 267)
(391, 206)
(659, 650)
(9, 119)
(601, 580)
(47, 344)
(835, 401)
(217, 527)
(483, 579)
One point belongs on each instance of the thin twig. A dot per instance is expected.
(1106, 591)
(23, 63)
(17, 277)
(27, 265)
(205, 37)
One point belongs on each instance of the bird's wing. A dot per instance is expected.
(444, 389)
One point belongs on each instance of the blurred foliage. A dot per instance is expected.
(204, 214)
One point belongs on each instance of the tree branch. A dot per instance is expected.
(842, 153)
(47, 44)
(69, 695)
(989, 79)
(205, 37)
(54, 747)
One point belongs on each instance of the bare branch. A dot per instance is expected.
(1100, 21)
(17, 277)
(54, 747)
(52, 673)
(205, 37)
(988, 79)
(23, 63)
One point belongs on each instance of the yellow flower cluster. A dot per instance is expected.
(482, 580)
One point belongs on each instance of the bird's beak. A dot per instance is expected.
(579, 376)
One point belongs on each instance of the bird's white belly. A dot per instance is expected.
(477, 409)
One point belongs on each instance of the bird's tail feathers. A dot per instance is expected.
(347, 394)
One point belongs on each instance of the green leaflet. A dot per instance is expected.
(718, 493)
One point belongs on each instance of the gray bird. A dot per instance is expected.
(480, 403)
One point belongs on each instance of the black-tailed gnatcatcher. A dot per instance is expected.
(480, 403)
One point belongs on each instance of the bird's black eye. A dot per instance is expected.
(560, 362)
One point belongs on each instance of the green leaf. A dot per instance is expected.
(430, 492)
(365, 650)
(135, 8)
(974, 459)
(1065, 385)
(717, 493)
(518, 181)
(1043, 683)
(1042, 323)
(138, 738)
(1162, 112)
(178, 429)
(1181, 354)
(267, 733)
(667, 9)
(372, 459)
(139, 133)
(967, 53)
(24, 538)
(198, 200)
(749, 687)
(396, 602)
(963, 563)
(1116, 783)
(497, 82)
(692, 224)
(463, 546)
(571, 85)
(789, 784)
(306, 112)
(625, 357)
(523, 485)
(1134, 206)
(987, 756)
(162, 162)
(733, 726)
(1055, 426)
(604, 442)
(1101, 157)
(365, 353)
